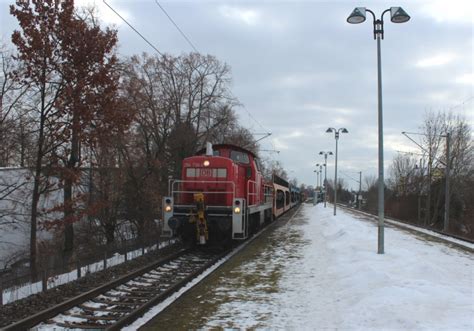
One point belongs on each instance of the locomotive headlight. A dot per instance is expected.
(237, 210)
(206, 163)
(168, 208)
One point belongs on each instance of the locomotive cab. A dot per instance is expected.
(220, 196)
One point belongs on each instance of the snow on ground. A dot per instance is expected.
(342, 283)
(323, 272)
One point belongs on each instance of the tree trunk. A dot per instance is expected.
(37, 181)
(22, 144)
(68, 183)
(35, 198)
(109, 232)
(34, 216)
(68, 216)
(434, 219)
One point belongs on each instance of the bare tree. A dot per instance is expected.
(12, 93)
(182, 101)
(371, 188)
(435, 128)
(370, 182)
(404, 175)
(413, 182)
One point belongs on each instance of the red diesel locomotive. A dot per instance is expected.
(222, 195)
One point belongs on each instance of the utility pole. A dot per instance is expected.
(446, 198)
(360, 190)
(428, 200)
(447, 170)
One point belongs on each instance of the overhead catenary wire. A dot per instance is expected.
(267, 132)
(177, 27)
(460, 104)
(160, 53)
(141, 35)
(356, 180)
(133, 28)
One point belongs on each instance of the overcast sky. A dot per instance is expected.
(298, 67)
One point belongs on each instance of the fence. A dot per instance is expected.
(410, 210)
(20, 283)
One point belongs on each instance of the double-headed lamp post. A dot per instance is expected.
(320, 175)
(325, 172)
(397, 15)
(336, 135)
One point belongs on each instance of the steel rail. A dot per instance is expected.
(138, 312)
(41, 316)
(126, 320)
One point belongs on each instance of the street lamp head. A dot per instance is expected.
(357, 16)
(329, 130)
(321, 153)
(344, 130)
(330, 153)
(398, 15)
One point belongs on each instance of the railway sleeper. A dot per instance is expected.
(117, 303)
(115, 295)
(98, 318)
(143, 298)
(149, 294)
(104, 309)
(152, 277)
(184, 273)
(153, 291)
(83, 326)
(149, 289)
(146, 280)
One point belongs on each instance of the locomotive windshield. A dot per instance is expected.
(239, 157)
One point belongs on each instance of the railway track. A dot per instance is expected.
(121, 301)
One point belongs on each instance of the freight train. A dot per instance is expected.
(222, 196)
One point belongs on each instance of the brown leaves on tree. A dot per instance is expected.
(72, 62)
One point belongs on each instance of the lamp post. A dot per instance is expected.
(320, 177)
(336, 135)
(317, 183)
(317, 178)
(397, 15)
(325, 172)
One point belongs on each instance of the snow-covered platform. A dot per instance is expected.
(343, 283)
(323, 272)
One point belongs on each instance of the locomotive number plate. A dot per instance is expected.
(206, 172)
